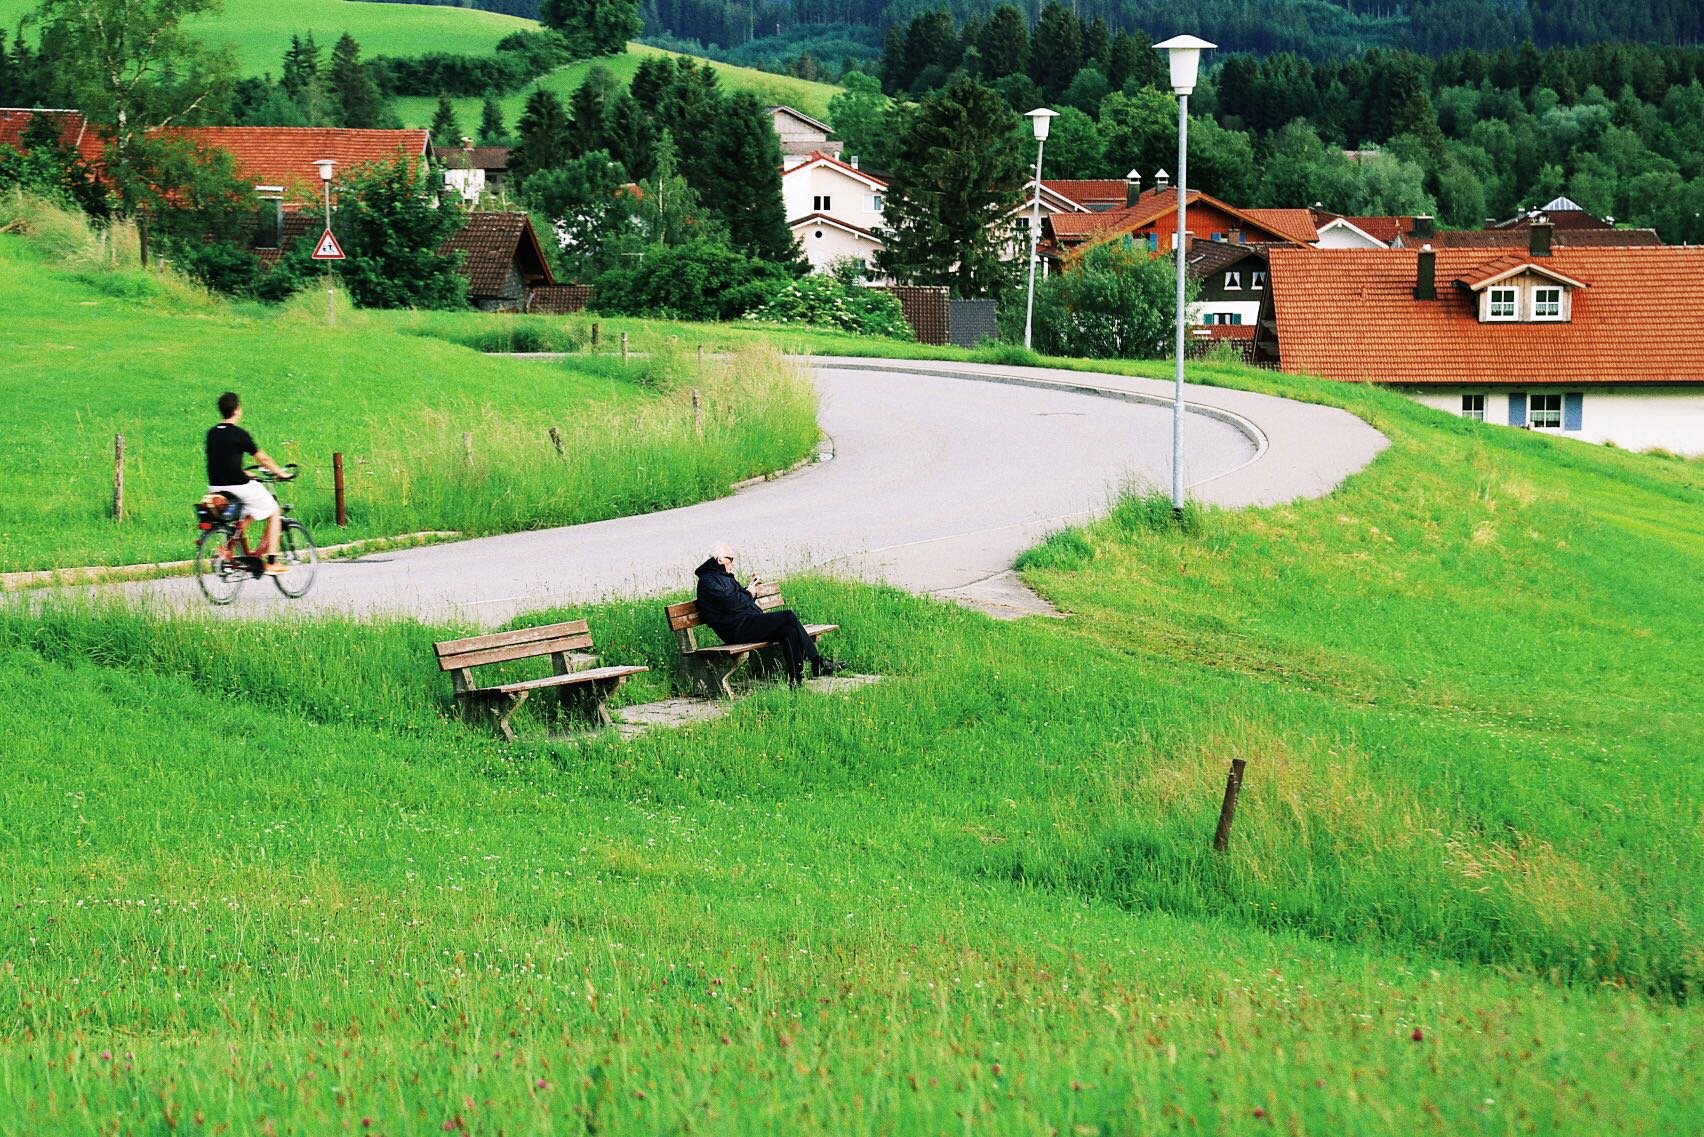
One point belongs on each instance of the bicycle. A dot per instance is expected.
(223, 559)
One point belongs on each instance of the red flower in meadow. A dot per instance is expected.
(541, 1084)
(106, 1056)
(1258, 1112)
(1417, 1036)
(366, 1123)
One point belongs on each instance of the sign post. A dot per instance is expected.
(328, 250)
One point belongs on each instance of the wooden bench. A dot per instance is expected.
(582, 692)
(709, 666)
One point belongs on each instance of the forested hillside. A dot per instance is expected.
(1317, 28)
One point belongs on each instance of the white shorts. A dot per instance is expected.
(258, 502)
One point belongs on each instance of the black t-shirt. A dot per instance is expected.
(227, 443)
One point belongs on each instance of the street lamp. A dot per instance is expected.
(1041, 121)
(1184, 54)
(325, 165)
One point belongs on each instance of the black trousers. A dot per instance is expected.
(781, 626)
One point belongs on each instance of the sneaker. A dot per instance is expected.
(823, 667)
(276, 568)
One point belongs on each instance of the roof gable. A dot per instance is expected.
(491, 243)
(813, 220)
(800, 116)
(816, 159)
(1503, 268)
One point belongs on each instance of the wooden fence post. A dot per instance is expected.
(467, 446)
(337, 487)
(1228, 810)
(556, 440)
(118, 477)
(701, 357)
(594, 335)
(624, 347)
(697, 414)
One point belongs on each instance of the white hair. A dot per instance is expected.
(720, 551)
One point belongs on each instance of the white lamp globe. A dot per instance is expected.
(1041, 121)
(1184, 53)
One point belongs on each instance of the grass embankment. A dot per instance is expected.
(1462, 896)
(93, 351)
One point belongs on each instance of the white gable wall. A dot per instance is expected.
(850, 199)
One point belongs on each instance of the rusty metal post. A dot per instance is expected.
(1228, 810)
(337, 487)
(118, 477)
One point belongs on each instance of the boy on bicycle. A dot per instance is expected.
(227, 443)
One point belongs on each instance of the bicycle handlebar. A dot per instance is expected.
(261, 473)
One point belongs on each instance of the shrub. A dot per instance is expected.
(830, 302)
(1116, 302)
(696, 281)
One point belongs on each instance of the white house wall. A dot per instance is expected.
(824, 244)
(1632, 416)
(851, 198)
(1249, 310)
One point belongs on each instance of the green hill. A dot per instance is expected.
(263, 881)
(259, 31)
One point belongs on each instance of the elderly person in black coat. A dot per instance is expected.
(732, 613)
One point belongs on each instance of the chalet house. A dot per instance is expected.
(1594, 343)
(1152, 220)
(1231, 285)
(801, 135)
(470, 172)
(833, 208)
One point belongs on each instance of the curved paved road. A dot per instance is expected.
(941, 475)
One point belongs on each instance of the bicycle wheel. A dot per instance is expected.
(219, 577)
(296, 548)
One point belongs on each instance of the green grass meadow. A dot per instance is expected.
(93, 351)
(261, 880)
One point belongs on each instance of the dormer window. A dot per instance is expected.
(1547, 303)
(1501, 305)
(1259, 281)
(1233, 280)
(1525, 293)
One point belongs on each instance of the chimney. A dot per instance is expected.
(1132, 188)
(1424, 226)
(854, 162)
(1426, 275)
(1161, 181)
(1538, 239)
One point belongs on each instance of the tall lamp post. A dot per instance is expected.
(325, 165)
(1184, 54)
(1041, 121)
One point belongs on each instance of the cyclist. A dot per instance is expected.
(227, 443)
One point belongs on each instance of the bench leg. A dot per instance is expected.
(710, 674)
(497, 707)
(586, 701)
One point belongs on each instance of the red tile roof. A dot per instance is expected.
(558, 299)
(1088, 191)
(74, 132)
(833, 223)
(1295, 224)
(285, 155)
(1222, 331)
(1350, 314)
(493, 243)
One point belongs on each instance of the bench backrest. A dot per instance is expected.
(501, 647)
(684, 620)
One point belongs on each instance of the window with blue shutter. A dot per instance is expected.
(1517, 408)
(1573, 410)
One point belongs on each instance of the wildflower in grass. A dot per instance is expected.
(1417, 1036)
(541, 1084)
(1258, 1112)
(366, 1123)
(106, 1056)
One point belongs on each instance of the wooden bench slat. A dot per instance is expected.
(512, 652)
(518, 636)
(590, 676)
(811, 630)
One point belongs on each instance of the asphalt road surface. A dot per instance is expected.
(941, 474)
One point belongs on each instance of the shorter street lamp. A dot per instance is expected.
(1184, 55)
(325, 165)
(1041, 121)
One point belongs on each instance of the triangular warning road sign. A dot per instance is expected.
(327, 249)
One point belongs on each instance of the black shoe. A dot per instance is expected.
(821, 667)
(795, 679)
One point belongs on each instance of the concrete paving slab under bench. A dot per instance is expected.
(631, 722)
